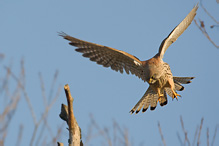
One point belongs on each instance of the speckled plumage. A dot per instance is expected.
(156, 72)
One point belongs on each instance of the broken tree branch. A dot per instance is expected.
(67, 115)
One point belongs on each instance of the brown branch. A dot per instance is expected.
(207, 136)
(179, 138)
(58, 134)
(71, 114)
(25, 94)
(161, 134)
(5, 82)
(124, 133)
(196, 133)
(205, 33)
(20, 133)
(215, 132)
(43, 117)
(185, 132)
(199, 134)
(102, 132)
(46, 105)
(43, 90)
(208, 13)
(74, 129)
(53, 84)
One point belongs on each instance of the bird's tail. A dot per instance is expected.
(150, 98)
(183, 80)
(178, 81)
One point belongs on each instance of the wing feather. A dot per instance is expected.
(177, 31)
(148, 99)
(108, 57)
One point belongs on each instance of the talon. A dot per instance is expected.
(159, 99)
(175, 95)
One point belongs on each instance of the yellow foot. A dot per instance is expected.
(160, 95)
(159, 99)
(175, 95)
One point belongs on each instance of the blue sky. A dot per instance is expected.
(29, 30)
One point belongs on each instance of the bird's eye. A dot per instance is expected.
(152, 77)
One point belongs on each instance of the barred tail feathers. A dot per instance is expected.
(183, 80)
(148, 99)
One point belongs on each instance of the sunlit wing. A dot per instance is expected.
(108, 57)
(149, 99)
(177, 31)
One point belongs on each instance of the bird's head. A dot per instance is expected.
(153, 70)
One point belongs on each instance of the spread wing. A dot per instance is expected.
(108, 57)
(177, 31)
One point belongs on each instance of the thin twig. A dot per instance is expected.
(179, 138)
(206, 34)
(161, 134)
(208, 13)
(5, 82)
(25, 95)
(20, 133)
(101, 132)
(58, 134)
(196, 133)
(185, 133)
(124, 133)
(114, 133)
(43, 90)
(215, 132)
(44, 116)
(207, 136)
(199, 134)
(46, 105)
(53, 84)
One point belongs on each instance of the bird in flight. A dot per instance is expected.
(154, 71)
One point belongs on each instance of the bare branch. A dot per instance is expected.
(53, 84)
(215, 132)
(161, 134)
(208, 13)
(58, 134)
(100, 132)
(199, 134)
(74, 129)
(179, 138)
(205, 33)
(43, 90)
(185, 133)
(196, 133)
(20, 133)
(25, 94)
(207, 136)
(44, 116)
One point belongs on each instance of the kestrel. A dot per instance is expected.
(155, 71)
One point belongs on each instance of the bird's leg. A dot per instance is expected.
(158, 92)
(172, 86)
(175, 94)
(159, 95)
